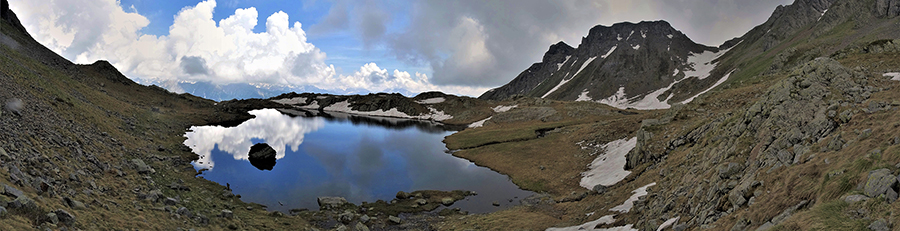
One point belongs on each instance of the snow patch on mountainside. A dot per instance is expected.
(393, 112)
(479, 123)
(560, 65)
(502, 108)
(638, 193)
(822, 15)
(636, 47)
(564, 80)
(609, 168)
(313, 105)
(432, 100)
(584, 96)
(894, 75)
(701, 64)
(618, 100)
(722, 80)
(584, 65)
(668, 223)
(608, 219)
(291, 101)
(609, 52)
(561, 83)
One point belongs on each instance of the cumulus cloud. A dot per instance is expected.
(198, 48)
(194, 65)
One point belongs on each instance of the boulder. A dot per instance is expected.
(364, 218)
(227, 214)
(879, 225)
(855, 198)
(142, 167)
(52, 218)
(74, 203)
(346, 217)
(600, 189)
(447, 201)
(395, 220)
(421, 201)
(3, 211)
(65, 217)
(184, 212)
(360, 227)
(10, 191)
(170, 201)
(881, 182)
(327, 203)
(262, 156)
(402, 195)
(23, 203)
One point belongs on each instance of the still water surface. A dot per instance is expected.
(358, 158)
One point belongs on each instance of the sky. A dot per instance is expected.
(461, 47)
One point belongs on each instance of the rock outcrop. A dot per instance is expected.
(4, 10)
(788, 118)
(887, 8)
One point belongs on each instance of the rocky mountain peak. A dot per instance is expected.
(620, 65)
(560, 48)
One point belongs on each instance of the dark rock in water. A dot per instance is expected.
(262, 156)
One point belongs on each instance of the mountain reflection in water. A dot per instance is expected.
(333, 154)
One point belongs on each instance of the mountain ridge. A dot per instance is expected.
(637, 58)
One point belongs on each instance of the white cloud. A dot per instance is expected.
(198, 48)
(370, 76)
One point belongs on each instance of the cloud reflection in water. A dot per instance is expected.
(361, 159)
(278, 130)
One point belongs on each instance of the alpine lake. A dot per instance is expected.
(362, 159)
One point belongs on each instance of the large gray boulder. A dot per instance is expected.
(881, 182)
(10, 191)
(65, 217)
(142, 167)
(331, 202)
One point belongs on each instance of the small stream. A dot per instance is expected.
(358, 158)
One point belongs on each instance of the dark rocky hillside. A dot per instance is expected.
(624, 64)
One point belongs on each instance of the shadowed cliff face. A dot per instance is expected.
(4, 10)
